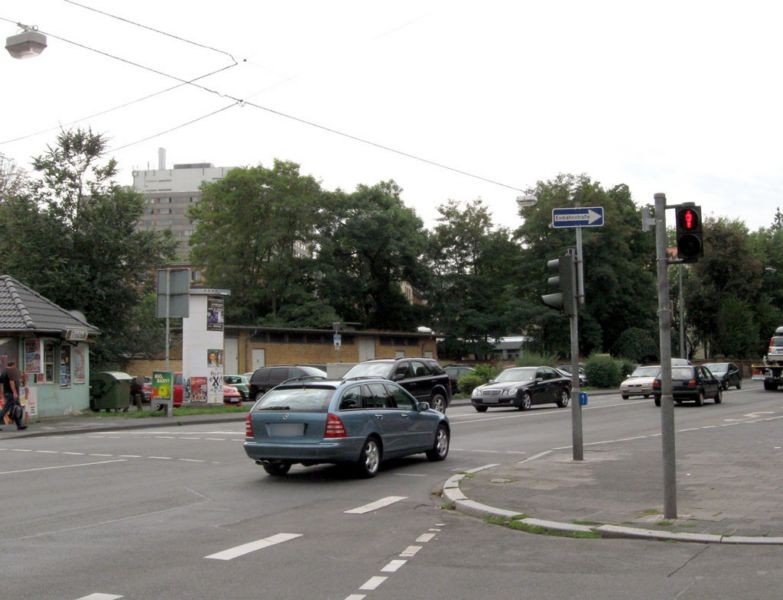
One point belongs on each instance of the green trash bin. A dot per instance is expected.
(110, 390)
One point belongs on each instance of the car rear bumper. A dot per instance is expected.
(332, 451)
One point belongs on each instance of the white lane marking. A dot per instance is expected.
(96, 454)
(410, 475)
(410, 551)
(424, 538)
(99, 596)
(375, 505)
(236, 551)
(102, 462)
(215, 439)
(457, 419)
(47, 451)
(534, 457)
(130, 455)
(21, 450)
(355, 597)
(160, 457)
(373, 583)
(393, 566)
(74, 453)
(195, 460)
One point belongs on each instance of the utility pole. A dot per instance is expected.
(665, 340)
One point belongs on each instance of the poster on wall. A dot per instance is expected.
(215, 358)
(215, 391)
(198, 389)
(65, 366)
(215, 306)
(79, 364)
(30, 401)
(33, 350)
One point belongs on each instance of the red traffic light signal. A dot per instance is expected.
(690, 244)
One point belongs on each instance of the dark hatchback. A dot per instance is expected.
(522, 387)
(691, 384)
(424, 378)
(356, 422)
(727, 373)
(265, 378)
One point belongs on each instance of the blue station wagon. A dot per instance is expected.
(360, 423)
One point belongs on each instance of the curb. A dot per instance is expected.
(453, 493)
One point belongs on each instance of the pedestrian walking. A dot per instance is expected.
(11, 383)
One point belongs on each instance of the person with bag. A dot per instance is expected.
(10, 381)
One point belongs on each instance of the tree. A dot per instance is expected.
(370, 245)
(71, 236)
(255, 233)
(618, 265)
(473, 268)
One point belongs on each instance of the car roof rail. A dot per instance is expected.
(357, 377)
(304, 378)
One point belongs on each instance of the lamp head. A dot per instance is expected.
(27, 44)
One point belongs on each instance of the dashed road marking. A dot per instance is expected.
(373, 583)
(393, 566)
(424, 538)
(383, 502)
(99, 596)
(243, 549)
(90, 464)
(410, 551)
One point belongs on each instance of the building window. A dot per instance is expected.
(65, 366)
(49, 362)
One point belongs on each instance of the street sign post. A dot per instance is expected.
(581, 216)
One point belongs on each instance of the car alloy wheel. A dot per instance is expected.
(524, 403)
(440, 449)
(439, 402)
(562, 401)
(699, 398)
(369, 459)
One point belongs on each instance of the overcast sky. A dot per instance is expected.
(681, 97)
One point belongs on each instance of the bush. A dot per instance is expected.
(535, 359)
(603, 371)
(482, 374)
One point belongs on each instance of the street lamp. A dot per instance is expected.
(27, 44)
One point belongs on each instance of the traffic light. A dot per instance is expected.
(690, 245)
(565, 281)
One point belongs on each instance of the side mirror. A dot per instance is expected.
(424, 406)
(398, 376)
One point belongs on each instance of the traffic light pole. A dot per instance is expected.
(665, 338)
(577, 443)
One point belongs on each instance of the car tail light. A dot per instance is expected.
(248, 426)
(692, 383)
(656, 384)
(334, 427)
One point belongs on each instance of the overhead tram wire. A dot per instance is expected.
(241, 102)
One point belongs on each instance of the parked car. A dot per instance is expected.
(727, 373)
(640, 382)
(455, 372)
(522, 387)
(231, 395)
(691, 383)
(424, 378)
(241, 383)
(355, 422)
(265, 378)
(565, 371)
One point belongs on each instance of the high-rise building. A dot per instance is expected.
(168, 193)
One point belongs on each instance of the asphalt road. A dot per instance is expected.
(182, 513)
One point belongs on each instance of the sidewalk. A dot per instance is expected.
(729, 493)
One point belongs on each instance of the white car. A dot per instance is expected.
(640, 382)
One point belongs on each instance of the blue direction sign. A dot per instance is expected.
(581, 216)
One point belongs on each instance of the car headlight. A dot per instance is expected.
(508, 392)
(476, 393)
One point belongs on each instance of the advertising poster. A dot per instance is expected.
(198, 389)
(32, 356)
(215, 391)
(215, 306)
(162, 385)
(65, 366)
(30, 401)
(215, 358)
(79, 364)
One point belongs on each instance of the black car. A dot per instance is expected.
(265, 378)
(692, 384)
(455, 372)
(727, 373)
(522, 387)
(422, 377)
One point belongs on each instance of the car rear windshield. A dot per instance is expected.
(717, 367)
(296, 399)
(776, 341)
(379, 369)
(682, 373)
(645, 372)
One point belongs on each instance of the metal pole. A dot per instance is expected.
(169, 408)
(576, 407)
(580, 266)
(682, 313)
(665, 326)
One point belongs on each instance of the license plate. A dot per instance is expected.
(285, 429)
(490, 400)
